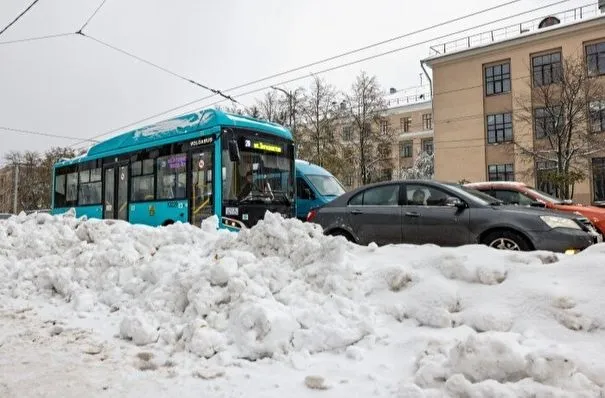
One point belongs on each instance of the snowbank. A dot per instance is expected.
(480, 322)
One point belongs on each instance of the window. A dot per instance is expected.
(422, 195)
(595, 59)
(405, 123)
(546, 69)
(90, 187)
(303, 191)
(384, 126)
(544, 170)
(72, 187)
(427, 146)
(60, 190)
(172, 176)
(143, 182)
(326, 185)
(427, 121)
(546, 121)
(596, 112)
(501, 172)
(406, 149)
(497, 79)
(598, 178)
(499, 128)
(512, 197)
(347, 133)
(386, 195)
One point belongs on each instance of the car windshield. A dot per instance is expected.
(545, 197)
(326, 185)
(478, 196)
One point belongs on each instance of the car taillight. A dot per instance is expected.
(311, 215)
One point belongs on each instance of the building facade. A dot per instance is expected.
(476, 89)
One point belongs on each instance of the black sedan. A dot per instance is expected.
(420, 212)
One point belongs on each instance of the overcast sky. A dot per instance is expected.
(73, 86)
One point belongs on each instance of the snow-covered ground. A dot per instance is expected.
(107, 309)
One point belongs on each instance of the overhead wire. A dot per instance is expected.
(43, 134)
(154, 65)
(53, 36)
(189, 103)
(92, 16)
(389, 52)
(18, 17)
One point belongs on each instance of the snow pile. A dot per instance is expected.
(257, 294)
(480, 322)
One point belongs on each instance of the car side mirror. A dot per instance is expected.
(234, 155)
(454, 202)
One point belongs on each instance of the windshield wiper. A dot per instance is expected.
(285, 197)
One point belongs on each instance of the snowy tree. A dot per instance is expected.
(364, 108)
(319, 141)
(423, 168)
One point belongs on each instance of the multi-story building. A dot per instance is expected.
(411, 119)
(477, 83)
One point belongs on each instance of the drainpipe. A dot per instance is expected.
(429, 78)
(432, 110)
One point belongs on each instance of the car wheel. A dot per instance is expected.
(342, 233)
(506, 240)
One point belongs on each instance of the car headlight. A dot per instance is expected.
(560, 222)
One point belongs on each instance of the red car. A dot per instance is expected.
(521, 194)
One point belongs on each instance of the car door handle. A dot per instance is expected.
(356, 212)
(412, 214)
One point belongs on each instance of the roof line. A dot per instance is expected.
(551, 31)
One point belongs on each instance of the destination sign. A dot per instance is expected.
(261, 146)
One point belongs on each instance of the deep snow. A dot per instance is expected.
(105, 308)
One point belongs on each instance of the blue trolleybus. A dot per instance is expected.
(165, 173)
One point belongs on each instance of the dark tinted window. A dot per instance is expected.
(497, 79)
(386, 195)
(546, 69)
(303, 191)
(356, 200)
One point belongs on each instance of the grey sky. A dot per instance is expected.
(73, 86)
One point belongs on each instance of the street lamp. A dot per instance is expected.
(291, 111)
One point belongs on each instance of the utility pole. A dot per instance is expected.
(291, 111)
(16, 196)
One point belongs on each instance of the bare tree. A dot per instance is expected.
(35, 176)
(320, 112)
(365, 107)
(271, 108)
(558, 107)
